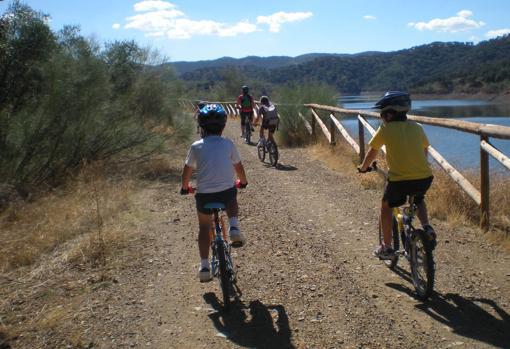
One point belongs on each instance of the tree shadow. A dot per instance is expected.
(255, 326)
(467, 316)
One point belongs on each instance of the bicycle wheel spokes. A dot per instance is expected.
(422, 265)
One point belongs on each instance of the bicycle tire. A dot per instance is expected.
(261, 151)
(422, 257)
(395, 243)
(223, 276)
(247, 132)
(273, 153)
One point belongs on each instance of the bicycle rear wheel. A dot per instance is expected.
(247, 132)
(395, 243)
(273, 153)
(422, 264)
(223, 274)
(261, 150)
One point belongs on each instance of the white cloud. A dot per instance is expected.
(277, 19)
(455, 24)
(370, 17)
(151, 5)
(495, 33)
(116, 26)
(159, 18)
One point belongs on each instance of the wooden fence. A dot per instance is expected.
(480, 197)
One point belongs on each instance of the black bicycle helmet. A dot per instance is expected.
(245, 89)
(212, 117)
(394, 100)
(201, 104)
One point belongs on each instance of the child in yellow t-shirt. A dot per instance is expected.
(408, 169)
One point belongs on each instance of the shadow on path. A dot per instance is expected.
(477, 318)
(255, 326)
(282, 167)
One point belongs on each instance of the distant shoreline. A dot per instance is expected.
(501, 98)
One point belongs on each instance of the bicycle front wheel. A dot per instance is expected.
(273, 153)
(261, 150)
(223, 274)
(247, 132)
(422, 264)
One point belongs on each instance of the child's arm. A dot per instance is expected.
(186, 176)
(369, 158)
(239, 168)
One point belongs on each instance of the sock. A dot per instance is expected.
(204, 263)
(233, 222)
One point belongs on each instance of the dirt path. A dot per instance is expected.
(307, 276)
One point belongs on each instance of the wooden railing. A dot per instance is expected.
(480, 197)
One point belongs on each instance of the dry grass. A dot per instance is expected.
(81, 207)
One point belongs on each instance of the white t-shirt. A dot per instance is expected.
(214, 158)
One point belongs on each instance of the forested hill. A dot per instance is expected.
(434, 68)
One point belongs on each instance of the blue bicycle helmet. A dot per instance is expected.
(212, 117)
(394, 100)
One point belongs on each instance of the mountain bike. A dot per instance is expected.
(221, 262)
(270, 148)
(417, 246)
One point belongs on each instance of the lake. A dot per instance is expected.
(461, 149)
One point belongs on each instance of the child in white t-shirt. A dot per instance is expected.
(217, 162)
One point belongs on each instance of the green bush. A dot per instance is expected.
(292, 131)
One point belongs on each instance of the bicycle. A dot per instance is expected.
(222, 266)
(417, 246)
(270, 148)
(247, 130)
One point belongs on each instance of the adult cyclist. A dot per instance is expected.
(245, 104)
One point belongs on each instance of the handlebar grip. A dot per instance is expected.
(238, 184)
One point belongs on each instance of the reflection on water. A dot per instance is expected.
(459, 148)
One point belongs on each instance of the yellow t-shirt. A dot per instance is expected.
(405, 144)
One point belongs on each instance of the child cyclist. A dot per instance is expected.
(216, 161)
(270, 119)
(408, 168)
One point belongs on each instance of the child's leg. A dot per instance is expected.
(204, 237)
(386, 222)
(232, 209)
(423, 215)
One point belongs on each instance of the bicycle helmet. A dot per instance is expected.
(264, 100)
(394, 100)
(212, 118)
(245, 89)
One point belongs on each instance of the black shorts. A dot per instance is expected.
(396, 192)
(246, 114)
(266, 126)
(225, 197)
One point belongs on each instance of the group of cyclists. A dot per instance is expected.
(217, 163)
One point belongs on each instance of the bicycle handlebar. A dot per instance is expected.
(191, 190)
(370, 168)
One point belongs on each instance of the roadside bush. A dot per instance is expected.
(292, 131)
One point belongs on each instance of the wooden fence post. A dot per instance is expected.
(484, 186)
(314, 134)
(332, 130)
(361, 140)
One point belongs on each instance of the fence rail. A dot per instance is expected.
(481, 197)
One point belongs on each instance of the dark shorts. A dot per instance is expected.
(246, 114)
(266, 126)
(225, 197)
(396, 193)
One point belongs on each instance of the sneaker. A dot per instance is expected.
(384, 252)
(236, 237)
(431, 235)
(204, 274)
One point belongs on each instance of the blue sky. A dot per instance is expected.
(193, 30)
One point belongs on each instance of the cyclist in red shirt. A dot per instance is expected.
(245, 104)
